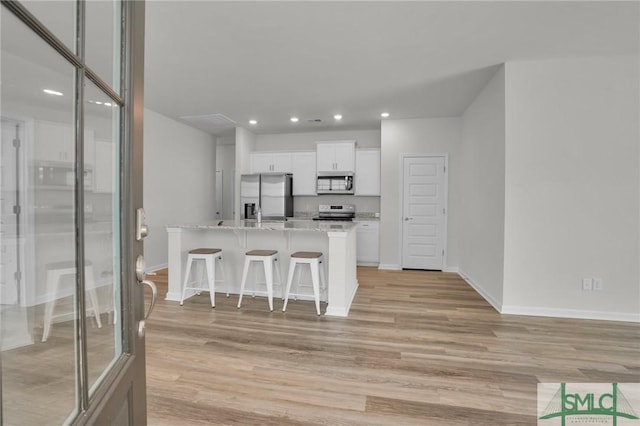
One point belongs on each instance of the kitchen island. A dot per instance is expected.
(337, 240)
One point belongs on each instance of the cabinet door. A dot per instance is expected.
(281, 162)
(260, 163)
(368, 172)
(326, 156)
(53, 142)
(344, 156)
(103, 168)
(304, 173)
(368, 243)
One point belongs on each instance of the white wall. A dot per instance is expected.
(307, 141)
(480, 216)
(572, 187)
(178, 180)
(226, 163)
(245, 144)
(424, 136)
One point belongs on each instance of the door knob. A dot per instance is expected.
(141, 277)
(407, 219)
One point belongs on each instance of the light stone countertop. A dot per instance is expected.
(267, 225)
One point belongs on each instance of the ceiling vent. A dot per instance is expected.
(212, 123)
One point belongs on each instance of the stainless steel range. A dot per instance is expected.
(336, 212)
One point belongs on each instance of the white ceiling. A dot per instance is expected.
(272, 60)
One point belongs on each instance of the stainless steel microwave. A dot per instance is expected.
(335, 183)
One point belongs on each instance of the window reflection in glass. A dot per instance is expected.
(102, 40)
(101, 216)
(37, 287)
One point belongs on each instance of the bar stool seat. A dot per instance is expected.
(269, 259)
(55, 272)
(209, 257)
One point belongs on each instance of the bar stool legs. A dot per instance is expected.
(209, 256)
(314, 260)
(55, 272)
(268, 259)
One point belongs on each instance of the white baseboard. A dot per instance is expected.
(453, 269)
(343, 311)
(157, 267)
(375, 264)
(569, 313)
(546, 312)
(390, 267)
(481, 291)
(173, 296)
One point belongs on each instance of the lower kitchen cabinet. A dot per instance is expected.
(368, 243)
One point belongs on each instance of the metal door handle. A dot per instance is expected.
(154, 294)
(408, 218)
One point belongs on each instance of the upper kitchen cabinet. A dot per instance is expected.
(55, 142)
(269, 162)
(368, 172)
(336, 156)
(304, 173)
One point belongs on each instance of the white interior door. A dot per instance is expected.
(424, 212)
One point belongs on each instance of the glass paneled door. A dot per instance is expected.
(71, 303)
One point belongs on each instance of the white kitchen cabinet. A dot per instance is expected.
(336, 156)
(367, 172)
(304, 173)
(104, 165)
(55, 142)
(368, 243)
(270, 162)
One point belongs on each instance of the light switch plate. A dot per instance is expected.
(587, 284)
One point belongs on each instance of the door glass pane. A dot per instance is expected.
(102, 40)
(102, 242)
(37, 291)
(59, 16)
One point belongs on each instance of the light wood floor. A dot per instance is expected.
(419, 348)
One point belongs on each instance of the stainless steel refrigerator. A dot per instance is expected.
(272, 192)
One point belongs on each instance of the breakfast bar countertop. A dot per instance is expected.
(269, 225)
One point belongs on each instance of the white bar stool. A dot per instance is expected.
(208, 256)
(55, 272)
(314, 260)
(268, 259)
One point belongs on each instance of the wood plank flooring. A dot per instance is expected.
(419, 348)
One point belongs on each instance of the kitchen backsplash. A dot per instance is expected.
(308, 206)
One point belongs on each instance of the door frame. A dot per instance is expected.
(446, 203)
(125, 381)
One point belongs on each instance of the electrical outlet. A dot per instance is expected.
(587, 284)
(597, 284)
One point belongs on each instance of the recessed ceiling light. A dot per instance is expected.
(52, 92)
(337, 117)
(107, 104)
(253, 122)
(294, 119)
(98, 103)
(384, 115)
